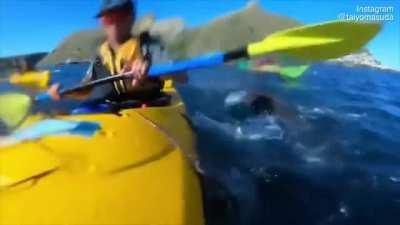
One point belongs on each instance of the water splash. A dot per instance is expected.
(253, 129)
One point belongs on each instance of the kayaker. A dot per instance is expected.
(120, 53)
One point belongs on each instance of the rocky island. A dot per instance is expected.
(362, 58)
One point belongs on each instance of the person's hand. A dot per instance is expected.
(54, 92)
(78, 95)
(137, 70)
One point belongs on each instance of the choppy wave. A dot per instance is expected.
(330, 156)
(254, 129)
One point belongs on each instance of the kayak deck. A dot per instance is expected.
(135, 170)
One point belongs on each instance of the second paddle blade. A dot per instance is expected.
(318, 42)
(14, 108)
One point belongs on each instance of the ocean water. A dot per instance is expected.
(328, 154)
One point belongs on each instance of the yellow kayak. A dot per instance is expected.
(32, 79)
(135, 170)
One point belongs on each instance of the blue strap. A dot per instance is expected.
(91, 109)
(214, 59)
(57, 127)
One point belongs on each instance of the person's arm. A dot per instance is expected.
(140, 64)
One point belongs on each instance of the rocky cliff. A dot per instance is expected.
(83, 45)
(224, 33)
(229, 32)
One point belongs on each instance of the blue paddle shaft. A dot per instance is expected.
(44, 96)
(210, 60)
(155, 71)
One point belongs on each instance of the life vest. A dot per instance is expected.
(115, 61)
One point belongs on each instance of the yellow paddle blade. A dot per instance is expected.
(32, 79)
(318, 42)
(14, 108)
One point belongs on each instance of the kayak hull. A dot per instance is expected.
(135, 170)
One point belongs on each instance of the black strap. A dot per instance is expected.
(145, 41)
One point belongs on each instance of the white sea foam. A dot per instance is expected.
(260, 128)
(254, 129)
(311, 155)
(315, 112)
(395, 179)
(235, 98)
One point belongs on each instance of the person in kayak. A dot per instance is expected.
(120, 53)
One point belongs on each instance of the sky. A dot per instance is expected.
(40, 25)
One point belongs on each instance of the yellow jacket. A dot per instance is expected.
(115, 61)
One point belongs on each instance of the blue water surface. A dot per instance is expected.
(330, 154)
